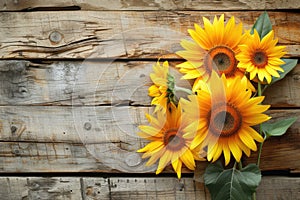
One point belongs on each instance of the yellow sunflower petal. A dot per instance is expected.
(177, 164)
(188, 159)
(235, 150)
(164, 161)
(247, 140)
(226, 153)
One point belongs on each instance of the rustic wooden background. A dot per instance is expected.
(68, 123)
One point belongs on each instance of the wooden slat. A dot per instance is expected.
(13, 188)
(65, 139)
(86, 188)
(99, 83)
(118, 34)
(13, 5)
(157, 188)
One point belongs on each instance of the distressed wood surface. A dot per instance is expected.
(101, 83)
(103, 139)
(127, 34)
(118, 188)
(15, 5)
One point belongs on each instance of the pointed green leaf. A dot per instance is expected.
(231, 184)
(287, 67)
(278, 128)
(262, 25)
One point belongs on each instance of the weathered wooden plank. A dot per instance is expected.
(187, 189)
(15, 188)
(87, 188)
(127, 34)
(66, 139)
(156, 188)
(97, 83)
(12, 5)
(95, 188)
(279, 188)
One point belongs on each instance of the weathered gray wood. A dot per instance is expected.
(12, 5)
(117, 188)
(156, 188)
(95, 188)
(73, 139)
(101, 83)
(118, 34)
(16, 188)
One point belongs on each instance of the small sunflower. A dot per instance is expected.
(212, 48)
(169, 140)
(226, 113)
(261, 57)
(161, 90)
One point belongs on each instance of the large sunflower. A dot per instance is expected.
(171, 135)
(261, 57)
(212, 48)
(159, 90)
(226, 113)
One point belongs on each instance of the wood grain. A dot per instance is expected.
(13, 5)
(118, 188)
(92, 34)
(103, 139)
(101, 83)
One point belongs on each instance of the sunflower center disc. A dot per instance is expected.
(222, 59)
(225, 120)
(173, 140)
(260, 59)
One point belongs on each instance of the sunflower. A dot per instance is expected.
(212, 48)
(226, 113)
(261, 57)
(169, 140)
(160, 90)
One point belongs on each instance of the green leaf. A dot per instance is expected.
(231, 184)
(278, 128)
(262, 25)
(287, 67)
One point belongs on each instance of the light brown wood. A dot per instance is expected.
(102, 83)
(82, 34)
(88, 188)
(13, 5)
(74, 139)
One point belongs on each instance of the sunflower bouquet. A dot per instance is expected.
(222, 117)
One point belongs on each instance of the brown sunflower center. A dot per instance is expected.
(260, 59)
(224, 120)
(222, 59)
(173, 140)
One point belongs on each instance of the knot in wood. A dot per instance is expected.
(23, 90)
(87, 126)
(13, 129)
(133, 160)
(55, 37)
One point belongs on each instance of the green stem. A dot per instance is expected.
(259, 89)
(254, 196)
(234, 166)
(182, 89)
(240, 165)
(260, 128)
(259, 153)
